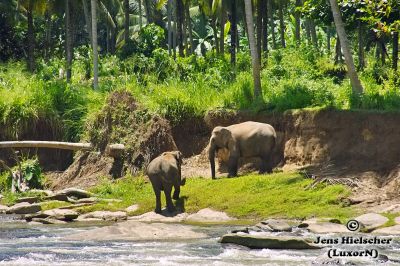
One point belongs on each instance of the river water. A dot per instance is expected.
(22, 244)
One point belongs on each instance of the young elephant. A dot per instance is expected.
(248, 139)
(164, 173)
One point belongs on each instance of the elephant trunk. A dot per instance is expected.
(211, 157)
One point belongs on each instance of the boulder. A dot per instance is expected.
(44, 192)
(30, 217)
(326, 228)
(277, 225)
(392, 230)
(138, 231)
(28, 199)
(104, 215)
(48, 221)
(262, 227)
(306, 223)
(209, 216)
(371, 221)
(132, 208)
(259, 241)
(76, 193)
(24, 208)
(62, 214)
(164, 217)
(241, 230)
(392, 209)
(3, 208)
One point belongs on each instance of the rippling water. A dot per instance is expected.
(21, 244)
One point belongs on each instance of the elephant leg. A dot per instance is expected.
(170, 204)
(177, 190)
(266, 164)
(233, 166)
(157, 192)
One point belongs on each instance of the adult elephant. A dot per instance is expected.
(164, 173)
(248, 139)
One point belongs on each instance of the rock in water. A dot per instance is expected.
(277, 225)
(62, 214)
(24, 208)
(372, 220)
(136, 231)
(326, 228)
(259, 241)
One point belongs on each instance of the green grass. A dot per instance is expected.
(54, 204)
(391, 217)
(245, 197)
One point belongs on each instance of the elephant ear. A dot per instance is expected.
(178, 156)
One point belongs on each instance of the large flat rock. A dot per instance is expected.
(259, 241)
(103, 215)
(371, 220)
(326, 228)
(391, 230)
(24, 208)
(136, 231)
(61, 214)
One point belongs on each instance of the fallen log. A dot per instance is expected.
(113, 150)
(47, 144)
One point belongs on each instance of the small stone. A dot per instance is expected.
(241, 230)
(76, 192)
(132, 208)
(209, 216)
(371, 220)
(24, 208)
(58, 196)
(3, 208)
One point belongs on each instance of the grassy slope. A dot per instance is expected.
(251, 196)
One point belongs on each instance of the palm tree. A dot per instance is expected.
(355, 81)
(93, 4)
(253, 49)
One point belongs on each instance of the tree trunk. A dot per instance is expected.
(253, 49)
(31, 38)
(395, 51)
(94, 45)
(355, 81)
(214, 27)
(308, 31)
(328, 39)
(338, 52)
(126, 24)
(222, 30)
(169, 26)
(272, 22)
(68, 41)
(297, 16)
(314, 37)
(233, 20)
(282, 24)
(190, 29)
(148, 11)
(88, 20)
(361, 57)
(175, 29)
(140, 14)
(184, 29)
(264, 12)
(179, 17)
(259, 28)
